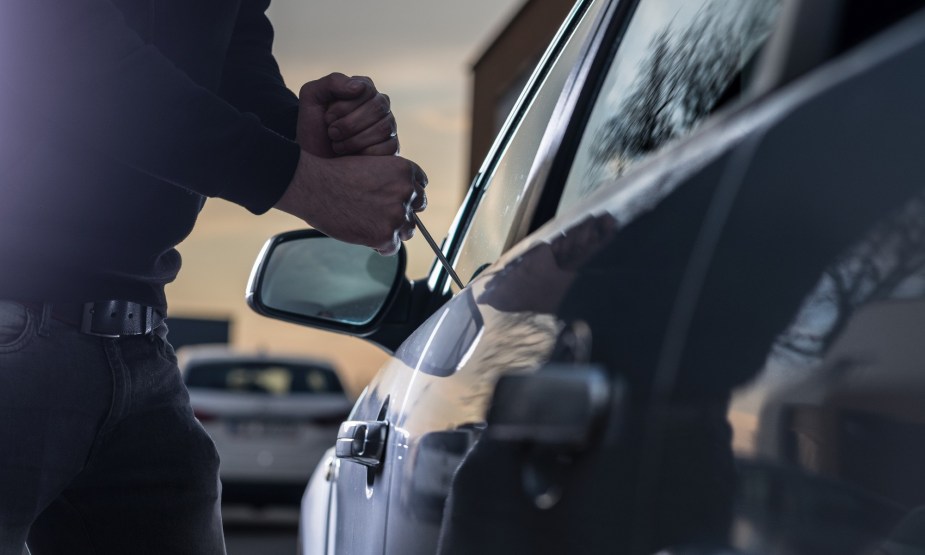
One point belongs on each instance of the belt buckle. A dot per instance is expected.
(108, 319)
(86, 323)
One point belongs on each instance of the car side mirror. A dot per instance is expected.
(308, 278)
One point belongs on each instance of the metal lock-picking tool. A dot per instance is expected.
(437, 251)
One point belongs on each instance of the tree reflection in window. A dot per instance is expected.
(692, 65)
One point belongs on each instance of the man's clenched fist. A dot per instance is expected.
(349, 184)
(340, 115)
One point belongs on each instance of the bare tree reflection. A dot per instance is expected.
(682, 79)
(888, 264)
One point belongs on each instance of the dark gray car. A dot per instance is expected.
(693, 309)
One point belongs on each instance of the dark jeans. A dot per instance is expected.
(99, 449)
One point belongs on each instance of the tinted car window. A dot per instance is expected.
(678, 61)
(487, 235)
(263, 377)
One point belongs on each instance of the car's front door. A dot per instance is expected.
(773, 243)
(510, 317)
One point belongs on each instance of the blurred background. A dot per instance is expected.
(420, 53)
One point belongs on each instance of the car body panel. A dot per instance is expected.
(316, 507)
(637, 239)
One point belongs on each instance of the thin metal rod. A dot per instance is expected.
(437, 251)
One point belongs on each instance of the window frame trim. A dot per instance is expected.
(438, 280)
(563, 136)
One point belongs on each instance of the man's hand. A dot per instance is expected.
(349, 184)
(366, 200)
(340, 115)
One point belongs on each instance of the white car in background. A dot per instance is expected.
(271, 418)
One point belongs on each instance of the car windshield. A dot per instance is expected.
(273, 378)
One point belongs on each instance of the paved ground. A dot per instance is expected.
(265, 532)
(261, 542)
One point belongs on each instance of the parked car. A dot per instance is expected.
(271, 418)
(693, 302)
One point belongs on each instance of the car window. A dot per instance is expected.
(487, 234)
(679, 60)
(274, 378)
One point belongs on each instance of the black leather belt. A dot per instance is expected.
(108, 318)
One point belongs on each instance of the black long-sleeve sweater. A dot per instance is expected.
(117, 119)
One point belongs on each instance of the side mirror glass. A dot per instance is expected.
(308, 278)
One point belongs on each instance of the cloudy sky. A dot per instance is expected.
(417, 51)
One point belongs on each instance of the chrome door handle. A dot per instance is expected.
(362, 442)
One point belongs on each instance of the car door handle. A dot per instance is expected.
(362, 441)
(560, 406)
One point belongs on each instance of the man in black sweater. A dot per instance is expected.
(117, 119)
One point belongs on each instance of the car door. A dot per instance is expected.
(506, 320)
(773, 257)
